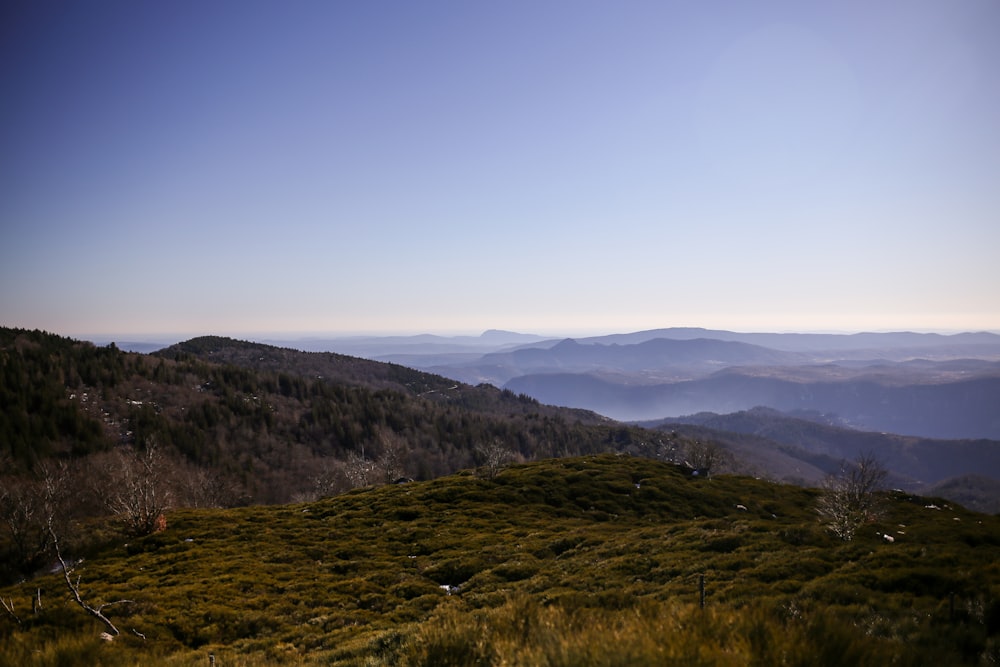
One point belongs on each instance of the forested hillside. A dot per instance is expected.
(229, 423)
(922, 461)
(267, 414)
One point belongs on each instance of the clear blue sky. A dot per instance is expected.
(553, 167)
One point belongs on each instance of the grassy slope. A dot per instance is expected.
(556, 562)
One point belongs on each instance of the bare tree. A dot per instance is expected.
(850, 499)
(200, 487)
(359, 470)
(136, 487)
(36, 515)
(27, 506)
(329, 479)
(667, 451)
(493, 457)
(391, 462)
(706, 456)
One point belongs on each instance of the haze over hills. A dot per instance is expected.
(955, 409)
(376, 347)
(254, 490)
(813, 342)
(928, 404)
(922, 384)
(897, 345)
(930, 388)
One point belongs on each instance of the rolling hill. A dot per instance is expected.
(577, 561)
(819, 445)
(927, 385)
(964, 408)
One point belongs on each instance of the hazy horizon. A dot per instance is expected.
(293, 336)
(558, 167)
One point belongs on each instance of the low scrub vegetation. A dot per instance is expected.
(595, 560)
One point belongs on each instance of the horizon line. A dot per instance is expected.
(292, 336)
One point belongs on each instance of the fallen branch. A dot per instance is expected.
(74, 589)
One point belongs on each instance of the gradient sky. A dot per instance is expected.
(566, 167)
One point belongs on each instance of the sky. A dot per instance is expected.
(251, 168)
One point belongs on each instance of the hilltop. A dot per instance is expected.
(585, 560)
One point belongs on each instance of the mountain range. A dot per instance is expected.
(921, 384)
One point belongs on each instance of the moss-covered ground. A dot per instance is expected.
(584, 561)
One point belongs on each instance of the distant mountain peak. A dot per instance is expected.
(491, 333)
(501, 337)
